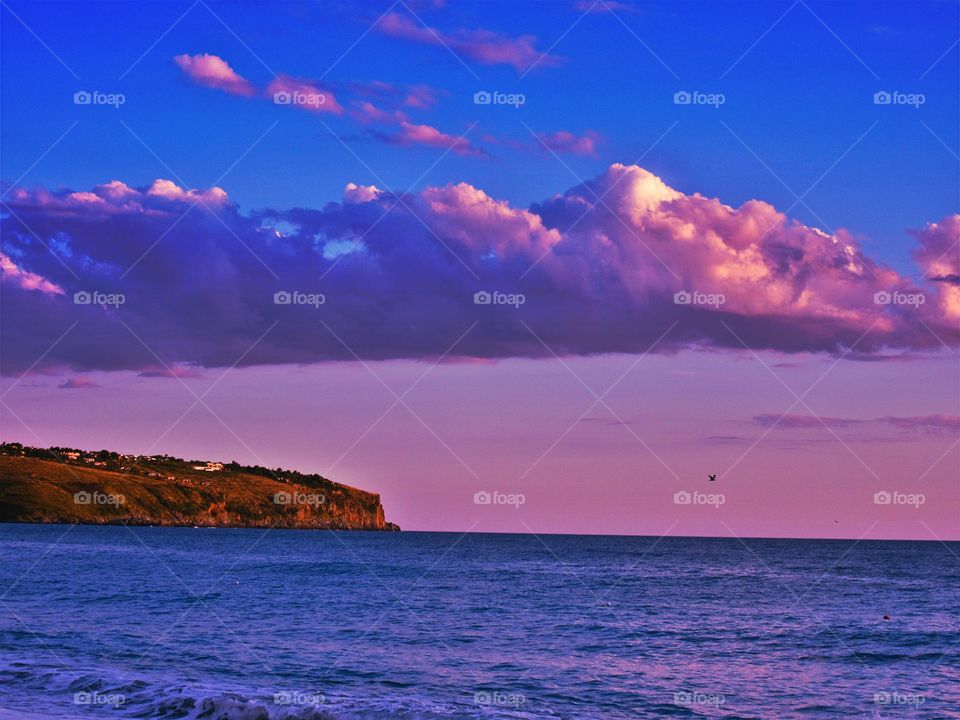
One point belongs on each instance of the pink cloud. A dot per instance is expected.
(566, 142)
(117, 198)
(354, 193)
(304, 94)
(939, 256)
(214, 72)
(421, 97)
(482, 224)
(763, 263)
(169, 190)
(26, 280)
(411, 134)
(366, 113)
(484, 46)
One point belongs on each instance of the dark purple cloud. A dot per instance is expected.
(168, 371)
(139, 278)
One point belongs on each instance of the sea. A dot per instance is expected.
(246, 624)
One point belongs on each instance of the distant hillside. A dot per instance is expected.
(65, 485)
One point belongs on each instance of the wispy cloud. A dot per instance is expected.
(483, 46)
(26, 280)
(411, 134)
(78, 383)
(303, 95)
(214, 72)
(803, 421)
(175, 371)
(563, 141)
(925, 423)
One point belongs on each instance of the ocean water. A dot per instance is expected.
(116, 622)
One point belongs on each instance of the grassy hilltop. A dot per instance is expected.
(65, 485)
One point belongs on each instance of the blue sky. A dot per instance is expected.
(798, 98)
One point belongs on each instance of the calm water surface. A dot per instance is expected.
(115, 622)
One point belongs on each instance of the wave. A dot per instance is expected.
(77, 696)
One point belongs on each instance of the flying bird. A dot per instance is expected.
(712, 477)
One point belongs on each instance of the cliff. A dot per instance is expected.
(61, 485)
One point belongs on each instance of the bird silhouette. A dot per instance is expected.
(712, 477)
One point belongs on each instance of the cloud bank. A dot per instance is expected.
(609, 266)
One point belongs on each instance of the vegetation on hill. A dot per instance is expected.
(67, 485)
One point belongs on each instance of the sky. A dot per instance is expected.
(572, 256)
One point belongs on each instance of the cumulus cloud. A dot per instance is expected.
(214, 72)
(398, 277)
(484, 46)
(939, 256)
(115, 198)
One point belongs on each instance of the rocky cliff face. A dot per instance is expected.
(172, 492)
